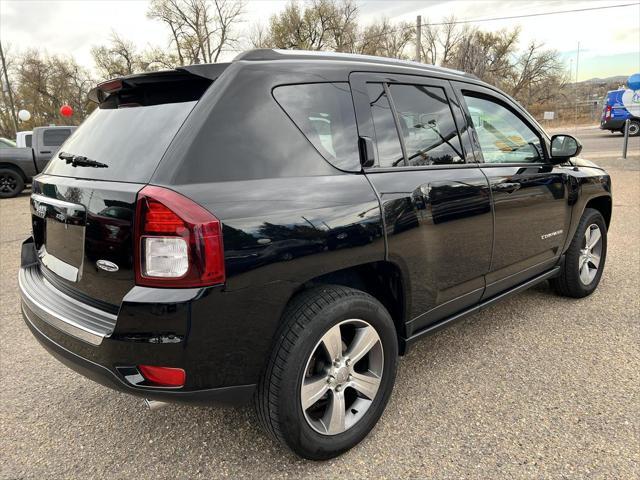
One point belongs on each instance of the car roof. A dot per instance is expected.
(272, 54)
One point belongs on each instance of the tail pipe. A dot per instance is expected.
(154, 404)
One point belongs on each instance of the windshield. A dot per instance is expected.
(125, 143)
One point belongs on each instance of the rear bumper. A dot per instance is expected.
(163, 327)
(233, 395)
(612, 124)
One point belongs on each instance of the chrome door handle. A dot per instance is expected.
(507, 187)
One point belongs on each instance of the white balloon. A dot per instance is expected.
(24, 115)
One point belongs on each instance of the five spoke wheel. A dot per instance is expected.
(342, 377)
(8, 182)
(590, 254)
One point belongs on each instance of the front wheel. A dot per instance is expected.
(331, 372)
(11, 183)
(585, 257)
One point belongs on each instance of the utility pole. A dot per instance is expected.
(418, 36)
(576, 84)
(6, 79)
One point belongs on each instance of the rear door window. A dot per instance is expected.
(386, 133)
(55, 137)
(324, 113)
(427, 125)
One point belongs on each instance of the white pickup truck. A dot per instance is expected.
(23, 139)
(19, 165)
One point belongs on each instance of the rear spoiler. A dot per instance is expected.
(196, 75)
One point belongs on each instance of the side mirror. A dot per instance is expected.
(367, 152)
(563, 147)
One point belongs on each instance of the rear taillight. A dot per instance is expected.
(607, 113)
(178, 243)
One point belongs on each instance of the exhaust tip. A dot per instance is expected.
(154, 404)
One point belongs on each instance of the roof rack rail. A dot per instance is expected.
(263, 54)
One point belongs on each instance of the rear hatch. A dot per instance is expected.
(83, 205)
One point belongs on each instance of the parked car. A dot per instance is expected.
(6, 143)
(270, 255)
(619, 106)
(18, 164)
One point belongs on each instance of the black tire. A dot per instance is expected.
(569, 283)
(634, 128)
(278, 399)
(11, 182)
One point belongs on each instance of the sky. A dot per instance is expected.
(608, 39)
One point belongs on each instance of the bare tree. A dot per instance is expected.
(488, 55)
(386, 39)
(200, 29)
(116, 59)
(41, 84)
(320, 25)
(344, 26)
(260, 37)
(540, 75)
(121, 57)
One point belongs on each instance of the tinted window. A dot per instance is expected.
(55, 137)
(324, 113)
(129, 141)
(427, 125)
(27, 140)
(503, 136)
(387, 141)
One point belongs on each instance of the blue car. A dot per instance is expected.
(619, 106)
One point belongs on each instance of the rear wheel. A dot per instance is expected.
(331, 372)
(585, 257)
(634, 128)
(11, 183)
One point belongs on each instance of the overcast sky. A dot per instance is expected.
(609, 38)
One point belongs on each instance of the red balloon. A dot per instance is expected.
(66, 111)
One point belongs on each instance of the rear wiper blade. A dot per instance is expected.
(80, 161)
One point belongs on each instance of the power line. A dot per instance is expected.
(533, 14)
(477, 20)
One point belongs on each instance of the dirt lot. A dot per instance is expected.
(538, 386)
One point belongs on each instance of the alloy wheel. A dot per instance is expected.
(342, 377)
(8, 182)
(590, 254)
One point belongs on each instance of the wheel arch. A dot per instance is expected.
(14, 167)
(383, 280)
(604, 205)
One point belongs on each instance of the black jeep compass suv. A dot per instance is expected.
(282, 227)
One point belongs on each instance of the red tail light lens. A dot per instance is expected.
(110, 86)
(163, 376)
(608, 112)
(178, 243)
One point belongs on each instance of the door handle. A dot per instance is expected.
(507, 187)
(45, 151)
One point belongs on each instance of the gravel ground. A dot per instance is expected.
(537, 386)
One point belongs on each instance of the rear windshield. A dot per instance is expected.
(55, 136)
(122, 144)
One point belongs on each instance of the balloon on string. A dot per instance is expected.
(24, 115)
(66, 110)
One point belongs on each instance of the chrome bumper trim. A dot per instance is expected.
(42, 300)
